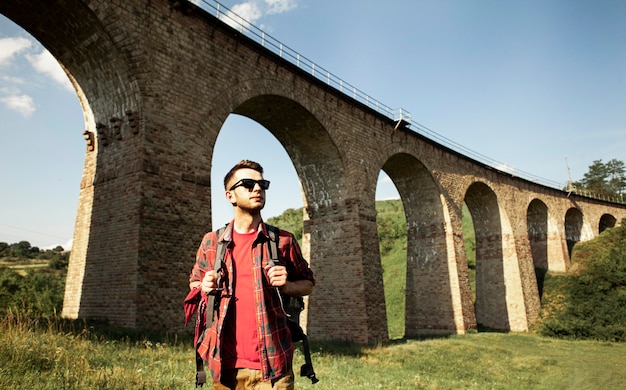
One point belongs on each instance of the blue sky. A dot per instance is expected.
(533, 85)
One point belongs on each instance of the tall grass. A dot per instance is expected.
(53, 353)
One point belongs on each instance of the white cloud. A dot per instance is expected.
(11, 79)
(68, 245)
(10, 47)
(10, 90)
(46, 64)
(280, 6)
(249, 12)
(21, 103)
(384, 178)
(13, 51)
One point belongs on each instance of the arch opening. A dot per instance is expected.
(391, 227)
(44, 148)
(490, 305)
(329, 204)
(537, 223)
(243, 138)
(469, 242)
(573, 228)
(429, 307)
(607, 221)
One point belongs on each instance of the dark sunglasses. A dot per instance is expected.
(250, 183)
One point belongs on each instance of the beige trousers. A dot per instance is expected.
(246, 379)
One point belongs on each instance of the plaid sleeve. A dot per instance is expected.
(205, 257)
(297, 266)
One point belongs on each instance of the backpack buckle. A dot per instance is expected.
(200, 378)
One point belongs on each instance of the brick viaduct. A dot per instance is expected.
(157, 79)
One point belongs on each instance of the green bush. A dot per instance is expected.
(593, 298)
(290, 220)
(38, 291)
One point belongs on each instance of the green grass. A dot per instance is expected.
(478, 361)
(57, 354)
(394, 279)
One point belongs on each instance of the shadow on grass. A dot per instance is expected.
(345, 348)
(91, 329)
(103, 330)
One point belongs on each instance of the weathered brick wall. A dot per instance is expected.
(158, 81)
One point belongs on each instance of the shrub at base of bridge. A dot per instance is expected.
(38, 291)
(592, 299)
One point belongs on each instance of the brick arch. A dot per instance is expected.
(431, 269)
(295, 123)
(320, 170)
(315, 156)
(334, 214)
(102, 73)
(100, 67)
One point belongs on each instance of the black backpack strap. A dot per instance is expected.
(220, 252)
(211, 304)
(273, 260)
(307, 368)
(200, 373)
(274, 234)
(297, 333)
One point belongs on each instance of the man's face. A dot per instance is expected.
(251, 200)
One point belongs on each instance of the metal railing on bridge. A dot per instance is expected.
(399, 115)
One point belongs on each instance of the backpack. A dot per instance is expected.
(292, 307)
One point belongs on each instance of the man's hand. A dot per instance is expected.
(209, 282)
(277, 275)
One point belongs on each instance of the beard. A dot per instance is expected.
(252, 208)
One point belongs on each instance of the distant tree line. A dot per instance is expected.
(57, 257)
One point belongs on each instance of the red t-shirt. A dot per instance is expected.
(241, 340)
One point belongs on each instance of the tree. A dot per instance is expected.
(4, 247)
(617, 177)
(21, 249)
(604, 179)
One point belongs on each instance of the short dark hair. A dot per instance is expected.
(242, 165)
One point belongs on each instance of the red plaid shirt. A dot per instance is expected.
(275, 346)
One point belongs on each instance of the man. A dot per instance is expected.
(249, 344)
